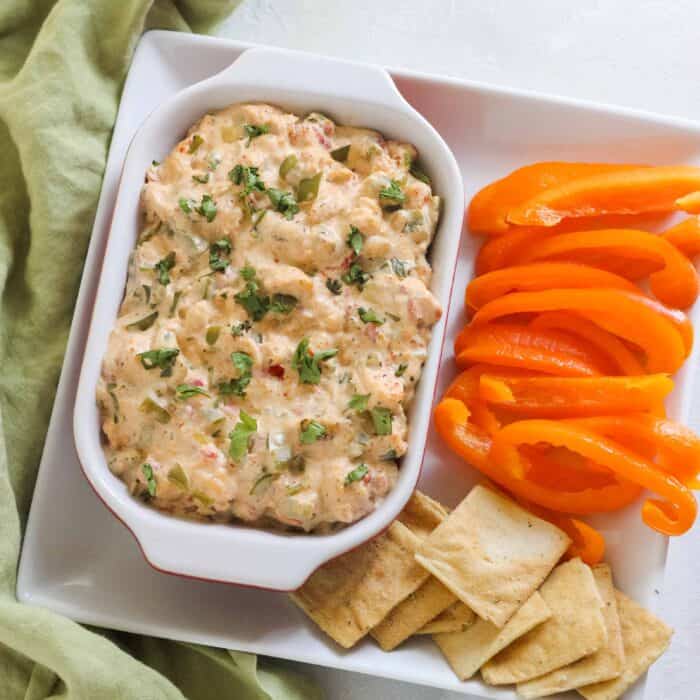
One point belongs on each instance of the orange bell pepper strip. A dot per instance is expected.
(633, 317)
(489, 208)
(451, 418)
(538, 276)
(675, 283)
(465, 386)
(622, 358)
(689, 203)
(675, 446)
(560, 397)
(504, 251)
(672, 516)
(685, 236)
(635, 191)
(541, 350)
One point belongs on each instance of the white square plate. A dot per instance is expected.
(80, 561)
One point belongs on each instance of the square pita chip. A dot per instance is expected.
(422, 514)
(468, 651)
(353, 593)
(456, 618)
(492, 554)
(644, 638)
(575, 629)
(601, 666)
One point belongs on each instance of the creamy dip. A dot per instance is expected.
(274, 324)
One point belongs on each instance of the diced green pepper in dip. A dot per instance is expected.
(275, 322)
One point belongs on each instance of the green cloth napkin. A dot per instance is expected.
(62, 65)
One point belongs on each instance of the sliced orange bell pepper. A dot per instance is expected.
(672, 516)
(641, 321)
(675, 283)
(675, 446)
(451, 418)
(685, 236)
(465, 386)
(541, 350)
(690, 203)
(618, 192)
(504, 250)
(557, 397)
(624, 360)
(490, 206)
(538, 276)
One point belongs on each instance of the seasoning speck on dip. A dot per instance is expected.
(274, 324)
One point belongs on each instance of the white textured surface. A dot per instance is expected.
(637, 53)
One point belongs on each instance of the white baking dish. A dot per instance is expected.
(352, 94)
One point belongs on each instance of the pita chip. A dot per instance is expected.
(492, 554)
(457, 618)
(605, 664)
(468, 651)
(644, 638)
(576, 629)
(353, 593)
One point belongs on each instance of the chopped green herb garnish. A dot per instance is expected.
(356, 276)
(243, 362)
(355, 239)
(289, 163)
(381, 419)
(308, 364)
(369, 316)
(202, 179)
(246, 175)
(334, 286)
(418, 173)
(308, 188)
(283, 202)
(164, 266)
(358, 402)
(186, 205)
(400, 370)
(218, 254)
(147, 470)
(255, 130)
(389, 455)
(357, 474)
(148, 405)
(143, 324)
(187, 391)
(392, 196)
(195, 143)
(340, 154)
(161, 358)
(283, 303)
(240, 436)
(255, 304)
(311, 431)
(400, 267)
(238, 329)
(207, 208)
(212, 334)
(247, 273)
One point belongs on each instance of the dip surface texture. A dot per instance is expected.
(275, 321)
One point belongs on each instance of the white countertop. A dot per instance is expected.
(637, 53)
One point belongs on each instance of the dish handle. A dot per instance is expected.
(306, 73)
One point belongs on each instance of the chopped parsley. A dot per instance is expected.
(202, 179)
(359, 402)
(207, 208)
(187, 391)
(246, 175)
(369, 316)
(240, 436)
(355, 239)
(164, 266)
(283, 202)
(357, 474)
(147, 470)
(356, 276)
(255, 130)
(186, 205)
(283, 303)
(195, 143)
(401, 369)
(243, 362)
(255, 304)
(143, 324)
(381, 419)
(218, 254)
(334, 286)
(392, 196)
(341, 154)
(238, 329)
(311, 431)
(161, 358)
(308, 364)
(400, 267)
